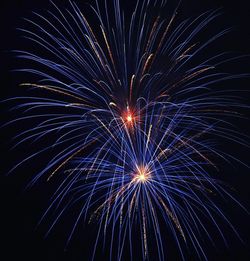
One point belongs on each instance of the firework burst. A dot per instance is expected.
(130, 109)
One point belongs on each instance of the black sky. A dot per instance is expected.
(21, 210)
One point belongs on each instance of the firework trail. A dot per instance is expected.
(129, 108)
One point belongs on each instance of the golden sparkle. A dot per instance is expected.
(142, 175)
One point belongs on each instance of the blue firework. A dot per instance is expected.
(130, 108)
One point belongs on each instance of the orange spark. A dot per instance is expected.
(128, 117)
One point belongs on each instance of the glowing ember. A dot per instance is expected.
(129, 118)
(142, 175)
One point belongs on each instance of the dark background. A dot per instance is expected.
(21, 210)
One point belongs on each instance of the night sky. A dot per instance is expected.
(21, 209)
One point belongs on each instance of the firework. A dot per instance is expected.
(130, 109)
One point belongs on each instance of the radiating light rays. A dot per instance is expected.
(128, 109)
(129, 118)
(138, 183)
(142, 174)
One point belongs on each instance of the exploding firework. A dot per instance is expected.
(130, 109)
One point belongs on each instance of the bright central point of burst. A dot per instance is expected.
(142, 175)
(129, 118)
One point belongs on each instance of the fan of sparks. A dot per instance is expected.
(129, 109)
